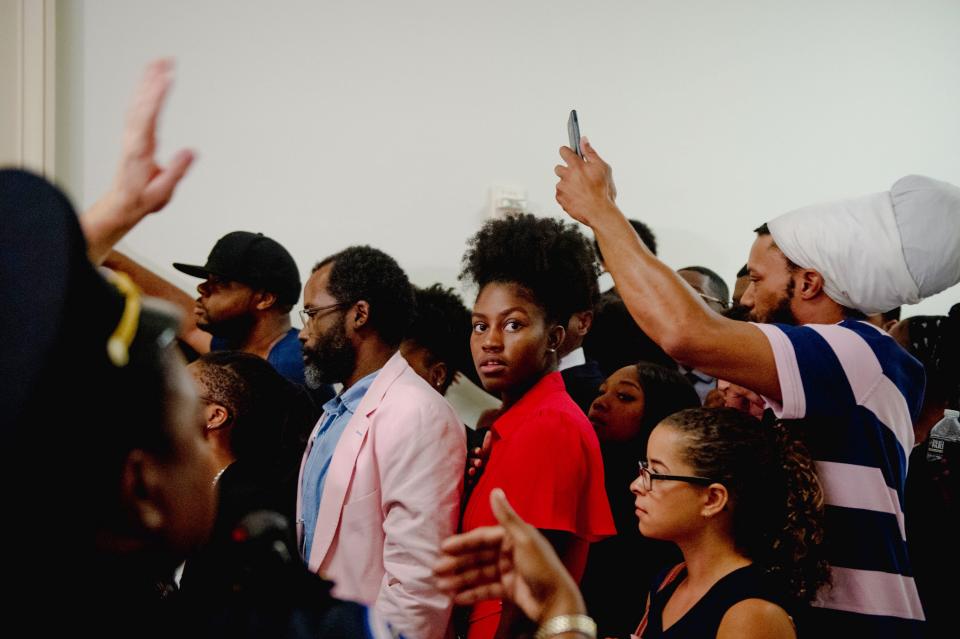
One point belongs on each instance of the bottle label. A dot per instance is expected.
(935, 449)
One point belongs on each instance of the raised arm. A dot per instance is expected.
(662, 304)
(141, 186)
(155, 286)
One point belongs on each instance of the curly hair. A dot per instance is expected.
(549, 258)
(441, 325)
(777, 501)
(369, 274)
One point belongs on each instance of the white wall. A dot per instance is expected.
(324, 124)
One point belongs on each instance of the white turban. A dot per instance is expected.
(879, 251)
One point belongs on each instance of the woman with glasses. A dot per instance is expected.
(742, 501)
(530, 273)
(632, 401)
(739, 497)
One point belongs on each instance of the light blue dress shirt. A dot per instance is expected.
(336, 414)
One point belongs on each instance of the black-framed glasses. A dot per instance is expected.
(308, 313)
(647, 477)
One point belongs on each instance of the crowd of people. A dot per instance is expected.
(667, 459)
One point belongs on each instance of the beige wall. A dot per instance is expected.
(27, 77)
(330, 123)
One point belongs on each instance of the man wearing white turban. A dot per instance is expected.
(814, 273)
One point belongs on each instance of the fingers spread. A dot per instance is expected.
(487, 537)
(147, 103)
(451, 565)
(160, 189)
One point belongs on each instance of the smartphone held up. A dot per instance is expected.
(573, 132)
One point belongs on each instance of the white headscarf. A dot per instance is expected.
(879, 251)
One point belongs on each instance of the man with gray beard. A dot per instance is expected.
(381, 479)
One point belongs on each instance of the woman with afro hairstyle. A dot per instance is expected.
(531, 274)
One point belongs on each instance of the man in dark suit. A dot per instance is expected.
(581, 376)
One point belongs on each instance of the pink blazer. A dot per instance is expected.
(391, 495)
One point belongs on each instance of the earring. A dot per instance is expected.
(551, 350)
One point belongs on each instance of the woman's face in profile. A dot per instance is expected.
(616, 414)
(190, 500)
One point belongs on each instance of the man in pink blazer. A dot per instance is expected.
(381, 478)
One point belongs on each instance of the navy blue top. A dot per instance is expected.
(703, 619)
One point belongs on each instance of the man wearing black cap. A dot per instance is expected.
(250, 284)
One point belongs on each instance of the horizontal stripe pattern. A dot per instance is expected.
(857, 391)
(868, 592)
(866, 540)
(853, 486)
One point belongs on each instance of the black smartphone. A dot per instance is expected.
(573, 132)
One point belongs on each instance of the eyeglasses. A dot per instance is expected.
(647, 477)
(310, 313)
(710, 298)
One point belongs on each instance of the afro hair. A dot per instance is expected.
(547, 257)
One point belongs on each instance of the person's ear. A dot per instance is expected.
(216, 416)
(586, 322)
(809, 284)
(359, 314)
(264, 300)
(555, 337)
(715, 500)
(141, 481)
(438, 375)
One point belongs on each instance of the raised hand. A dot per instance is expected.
(141, 185)
(510, 561)
(740, 398)
(586, 188)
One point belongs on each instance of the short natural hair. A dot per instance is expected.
(368, 274)
(718, 287)
(267, 409)
(441, 325)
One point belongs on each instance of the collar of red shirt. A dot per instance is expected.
(532, 400)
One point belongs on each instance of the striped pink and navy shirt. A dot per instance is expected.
(858, 391)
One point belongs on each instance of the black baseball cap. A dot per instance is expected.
(253, 259)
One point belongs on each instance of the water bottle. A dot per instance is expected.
(946, 431)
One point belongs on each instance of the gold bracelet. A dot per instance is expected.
(581, 624)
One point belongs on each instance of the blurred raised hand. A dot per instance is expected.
(511, 561)
(141, 185)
